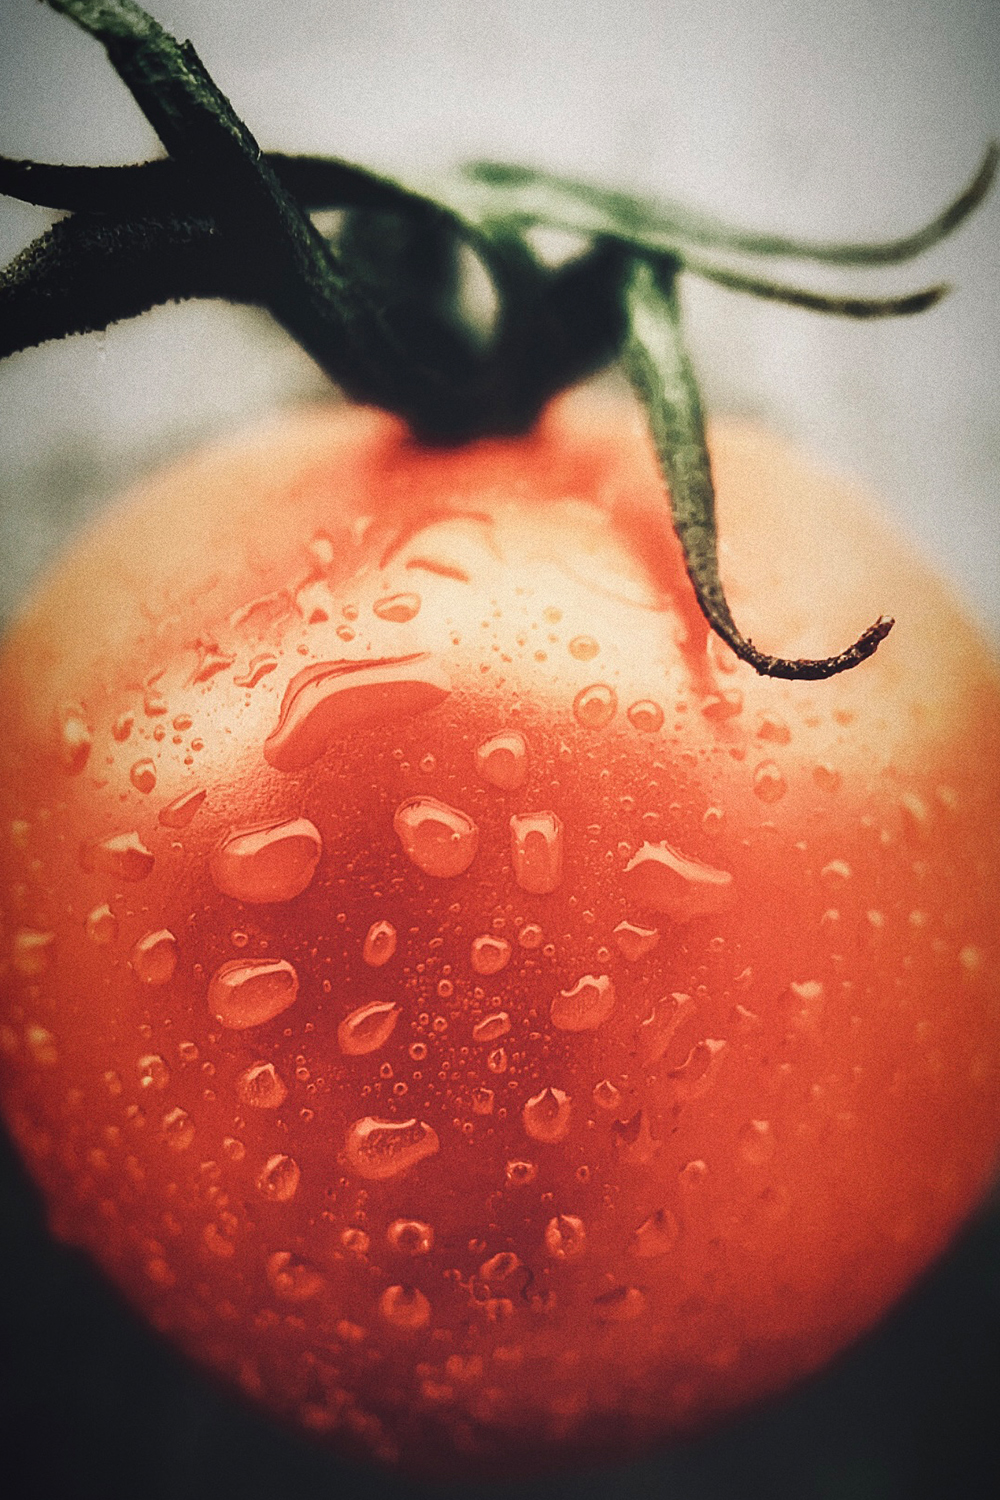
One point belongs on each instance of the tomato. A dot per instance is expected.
(453, 998)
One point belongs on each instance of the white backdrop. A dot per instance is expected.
(831, 118)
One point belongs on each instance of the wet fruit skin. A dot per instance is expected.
(512, 1053)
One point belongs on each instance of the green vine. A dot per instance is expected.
(377, 305)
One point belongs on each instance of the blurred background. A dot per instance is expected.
(814, 118)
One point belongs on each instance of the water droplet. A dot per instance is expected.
(826, 778)
(332, 700)
(143, 775)
(153, 1072)
(491, 1028)
(380, 1149)
(32, 951)
(279, 1179)
(122, 857)
(756, 1142)
(547, 1115)
(657, 1236)
(774, 730)
(292, 1279)
(634, 1139)
(712, 819)
(583, 647)
(154, 957)
(623, 1304)
(586, 1006)
(520, 1173)
(245, 993)
(497, 1060)
(490, 954)
(405, 1307)
(606, 1095)
(122, 728)
(727, 704)
(659, 877)
(483, 1101)
(697, 1072)
(178, 1129)
(565, 1237)
(596, 705)
(261, 1087)
(178, 814)
(635, 942)
(101, 926)
(768, 783)
(427, 763)
(356, 1241)
(398, 608)
(367, 1028)
(658, 1028)
(258, 667)
(646, 716)
(500, 1267)
(836, 871)
(380, 944)
(410, 1237)
(272, 862)
(530, 935)
(440, 840)
(75, 739)
(537, 848)
(503, 760)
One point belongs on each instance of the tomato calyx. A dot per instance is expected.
(378, 304)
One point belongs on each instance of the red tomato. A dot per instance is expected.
(450, 995)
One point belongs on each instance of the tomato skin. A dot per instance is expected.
(694, 1173)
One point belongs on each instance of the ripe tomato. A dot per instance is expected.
(450, 995)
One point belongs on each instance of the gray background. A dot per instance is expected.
(820, 118)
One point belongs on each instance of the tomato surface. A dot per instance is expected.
(450, 995)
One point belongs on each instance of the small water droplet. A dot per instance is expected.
(427, 763)
(122, 727)
(75, 738)
(500, 1267)
(410, 1237)
(292, 1279)
(332, 700)
(530, 935)
(634, 1139)
(756, 1141)
(635, 942)
(179, 812)
(547, 1115)
(768, 782)
(606, 1095)
(153, 1072)
(596, 705)
(836, 871)
(565, 1237)
(658, 1028)
(154, 957)
(122, 857)
(537, 850)
(153, 702)
(774, 730)
(244, 993)
(492, 1027)
(660, 877)
(482, 1101)
(826, 778)
(520, 1173)
(718, 707)
(440, 840)
(583, 647)
(279, 1179)
(657, 1236)
(261, 1087)
(367, 1028)
(380, 944)
(646, 716)
(101, 926)
(497, 1060)
(405, 1307)
(586, 1006)
(32, 951)
(623, 1304)
(142, 775)
(712, 819)
(380, 1149)
(502, 760)
(272, 862)
(490, 954)
(356, 1241)
(397, 608)
(178, 1129)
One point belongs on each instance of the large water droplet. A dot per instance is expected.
(586, 1006)
(179, 812)
(756, 1142)
(491, 1028)
(101, 926)
(768, 783)
(367, 1028)
(292, 1279)
(405, 1307)
(565, 1237)
(143, 775)
(410, 1237)
(646, 716)
(490, 954)
(398, 608)
(332, 700)
(154, 957)
(178, 1129)
(623, 1304)
(661, 878)
(606, 1095)
(74, 739)
(32, 951)
(536, 841)
(153, 1072)
(657, 1236)
(246, 993)
(272, 862)
(634, 1139)
(635, 942)
(260, 1087)
(279, 1179)
(596, 705)
(440, 840)
(503, 760)
(583, 647)
(658, 1028)
(696, 1073)
(547, 1115)
(380, 1149)
(379, 944)
(123, 857)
